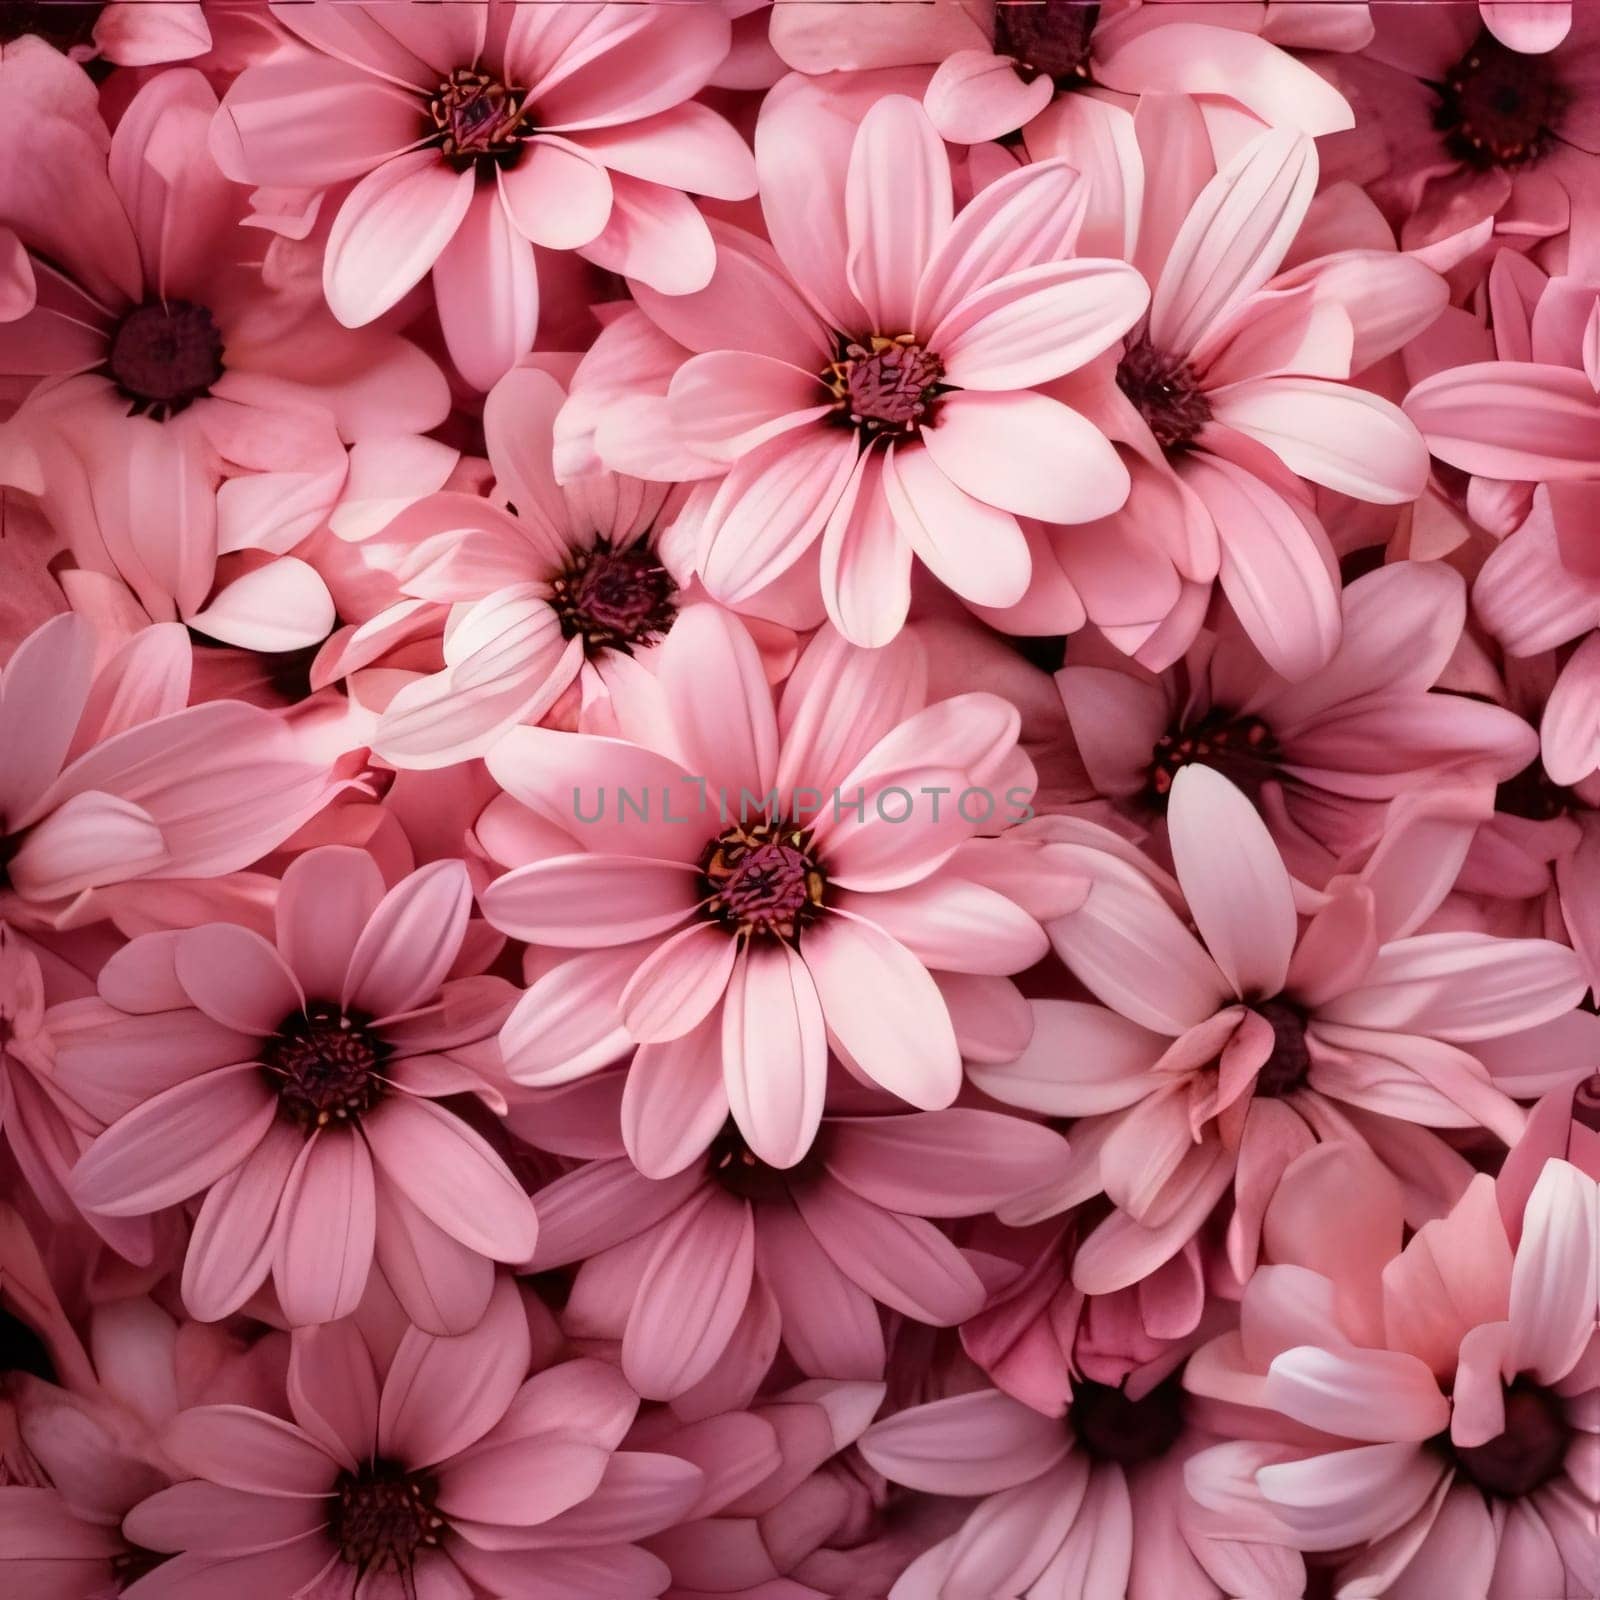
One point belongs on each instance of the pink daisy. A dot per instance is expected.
(697, 1273)
(438, 1477)
(1321, 758)
(1222, 1053)
(1424, 1417)
(479, 130)
(753, 919)
(110, 777)
(292, 1085)
(1001, 62)
(872, 379)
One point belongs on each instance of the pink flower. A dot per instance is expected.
(110, 778)
(699, 1272)
(293, 1086)
(436, 1477)
(748, 919)
(1236, 387)
(1001, 62)
(872, 379)
(1220, 1057)
(481, 130)
(1322, 758)
(1426, 1416)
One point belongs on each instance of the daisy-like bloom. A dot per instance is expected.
(110, 777)
(1321, 758)
(438, 1477)
(1001, 62)
(558, 588)
(1089, 1505)
(871, 379)
(699, 1272)
(164, 361)
(1424, 1418)
(1471, 127)
(142, 33)
(1224, 1052)
(742, 900)
(293, 1086)
(1233, 394)
(479, 130)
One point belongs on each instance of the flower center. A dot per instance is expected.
(1529, 1452)
(66, 24)
(1165, 392)
(324, 1063)
(1046, 38)
(1243, 749)
(478, 120)
(730, 1163)
(165, 355)
(1531, 795)
(615, 599)
(1112, 1427)
(762, 878)
(1286, 1068)
(884, 388)
(1498, 107)
(383, 1516)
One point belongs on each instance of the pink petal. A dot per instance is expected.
(687, 146)
(1510, 419)
(972, 1444)
(884, 1012)
(1372, 1395)
(904, 1262)
(727, 402)
(236, 977)
(326, 1225)
(830, 1326)
(1569, 731)
(206, 1518)
(589, 902)
(676, 986)
(1528, 26)
(325, 900)
(1556, 1276)
(389, 232)
(333, 1390)
(452, 1176)
(441, 1284)
(866, 561)
(692, 1296)
(656, 239)
(675, 1102)
(88, 841)
(45, 685)
(1026, 453)
(411, 941)
(558, 194)
(970, 546)
(775, 1055)
(898, 206)
(602, 1205)
(975, 96)
(244, 1449)
(486, 291)
(176, 1144)
(265, 1576)
(284, 605)
(953, 924)
(1349, 1496)
(522, 1482)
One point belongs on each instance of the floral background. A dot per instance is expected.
(799, 800)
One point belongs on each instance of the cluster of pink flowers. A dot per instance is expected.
(799, 800)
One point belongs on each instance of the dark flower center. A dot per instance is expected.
(1529, 1452)
(64, 23)
(761, 878)
(1047, 38)
(479, 120)
(324, 1064)
(1290, 1061)
(1243, 749)
(1498, 107)
(1113, 1427)
(383, 1516)
(166, 355)
(730, 1163)
(615, 599)
(884, 388)
(1165, 392)
(1531, 795)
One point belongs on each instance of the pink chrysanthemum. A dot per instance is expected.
(293, 1086)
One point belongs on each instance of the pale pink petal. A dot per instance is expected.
(972, 1444)
(1554, 1287)
(1234, 880)
(1371, 1395)
(283, 605)
(90, 840)
(486, 291)
(442, 1286)
(591, 902)
(678, 983)
(775, 1054)
(674, 1102)
(333, 1390)
(326, 1225)
(208, 1518)
(692, 1296)
(521, 1482)
(452, 1176)
(975, 96)
(656, 239)
(1569, 731)
(389, 232)
(601, 1205)
(1529, 26)
(727, 402)
(1350, 1496)
(42, 695)
(411, 941)
(685, 147)
(1510, 419)
(883, 1011)
(866, 560)
(176, 1144)
(831, 1327)
(236, 977)
(325, 899)
(1027, 453)
(952, 924)
(898, 206)
(558, 195)
(244, 1449)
